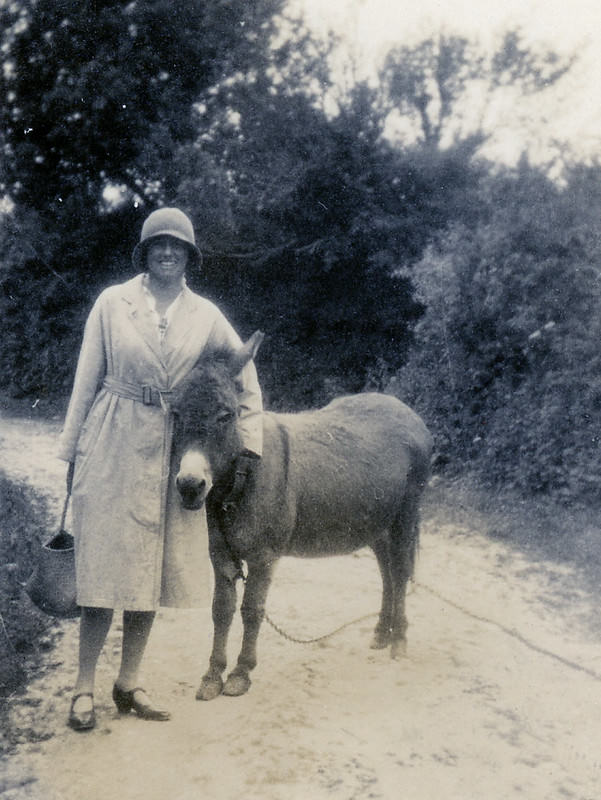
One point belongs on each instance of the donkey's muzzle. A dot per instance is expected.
(193, 492)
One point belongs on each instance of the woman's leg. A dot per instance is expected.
(126, 692)
(136, 630)
(93, 629)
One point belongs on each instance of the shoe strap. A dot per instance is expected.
(76, 697)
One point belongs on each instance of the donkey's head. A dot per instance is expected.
(206, 408)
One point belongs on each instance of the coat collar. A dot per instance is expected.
(144, 321)
(141, 316)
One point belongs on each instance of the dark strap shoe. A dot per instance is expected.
(82, 720)
(126, 702)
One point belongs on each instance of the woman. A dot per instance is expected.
(136, 548)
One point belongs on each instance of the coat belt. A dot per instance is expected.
(148, 395)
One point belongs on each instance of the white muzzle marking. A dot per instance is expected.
(195, 471)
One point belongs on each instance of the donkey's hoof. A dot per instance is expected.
(236, 685)
(380, 640)
(209, 689)
(398, 649)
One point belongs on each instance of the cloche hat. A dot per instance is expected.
(166, 222)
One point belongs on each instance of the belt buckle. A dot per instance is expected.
(147, 395)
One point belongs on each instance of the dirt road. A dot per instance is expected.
(499, 695)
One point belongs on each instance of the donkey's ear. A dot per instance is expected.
(247, 352)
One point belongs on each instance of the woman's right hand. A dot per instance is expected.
(70, 471)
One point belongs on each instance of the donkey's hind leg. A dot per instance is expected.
(403, 546)
(383, 630)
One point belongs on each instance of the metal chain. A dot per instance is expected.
(512, 633)
(325, 635)
(317, 638)
(416, 585)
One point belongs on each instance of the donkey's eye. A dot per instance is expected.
(224, 417)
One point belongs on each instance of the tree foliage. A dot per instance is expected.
(98, 93)
(507, 364)
(446, 90)
(354, 251)
(321, 214)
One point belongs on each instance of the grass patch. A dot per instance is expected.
(25, 632)
(544, 528)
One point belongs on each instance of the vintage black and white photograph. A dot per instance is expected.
(300, 400)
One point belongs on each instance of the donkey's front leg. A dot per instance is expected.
(224, 606)
(252, 611)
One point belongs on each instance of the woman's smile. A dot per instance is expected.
(167, 257)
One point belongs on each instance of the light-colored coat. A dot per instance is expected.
(136, 547)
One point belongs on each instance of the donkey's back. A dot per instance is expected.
(336, 479)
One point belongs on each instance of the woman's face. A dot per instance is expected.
(166, 259)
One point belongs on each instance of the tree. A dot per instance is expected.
(96, 96)
(445, 91)
(310, 219)
(321, 218)
(100, 93)
(317, 215)
(507, 364)
(302, 246)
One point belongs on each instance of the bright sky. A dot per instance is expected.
(372, 27)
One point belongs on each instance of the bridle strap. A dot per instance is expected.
(226, 508)
(242, 469)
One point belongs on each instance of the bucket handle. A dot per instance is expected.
(65, 507)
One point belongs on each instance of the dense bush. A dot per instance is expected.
(25, 630)
(507, 364)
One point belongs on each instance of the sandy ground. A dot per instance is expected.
(499, 695)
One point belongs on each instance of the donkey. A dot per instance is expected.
(329, 482)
